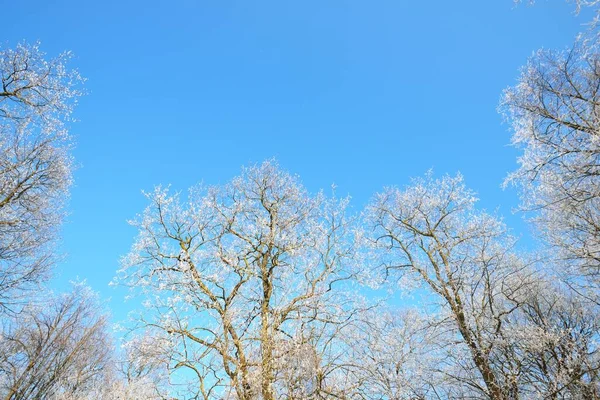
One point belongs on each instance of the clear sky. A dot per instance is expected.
(362, 94)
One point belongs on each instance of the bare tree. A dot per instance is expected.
(555, 114)
(241, 284)
(430, 233)
(397, 353)
(502, 327)
(36, 99)
(554, 334)
(58, 349)
(52, 347)
(136, 373)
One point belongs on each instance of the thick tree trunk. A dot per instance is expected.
(267, 377)
(494, 390)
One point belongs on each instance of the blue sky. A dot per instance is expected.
(362, 94)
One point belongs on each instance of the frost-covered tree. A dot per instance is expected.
(397, 354)
(242, 286)
(143, 359)
(497, 326)
(431, 234)
(36, 99)
(61, 348)
(555, 113)
(555, 337)
(58, 348)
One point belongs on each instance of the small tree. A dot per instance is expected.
(59, 349)
(397, 353)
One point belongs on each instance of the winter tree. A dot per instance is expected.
(242, 286)
(36, 100)
(51, 346)
(501, 325)
(59, 348)
(554, 335)
(396, 353)
(555, 114)
(431, 234)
